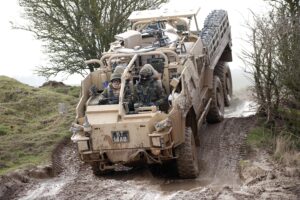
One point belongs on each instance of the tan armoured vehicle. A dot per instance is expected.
(191, 67)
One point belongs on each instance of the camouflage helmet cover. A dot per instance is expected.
(147, 70)
(119, 69)
(115, 76)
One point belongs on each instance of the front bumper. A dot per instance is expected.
(160, 149)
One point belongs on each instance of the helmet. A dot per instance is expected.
(146, 72)
(119, 69)
(115, 76)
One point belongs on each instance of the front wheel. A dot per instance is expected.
(228, 88)
(187, 161)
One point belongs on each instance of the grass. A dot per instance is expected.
(30, 122)
(287, 150)
(69, 90)
(292, 118)
(3, 130)
(260, 137)
(281, 143)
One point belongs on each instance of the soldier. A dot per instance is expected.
(147, 91)
(110, 95)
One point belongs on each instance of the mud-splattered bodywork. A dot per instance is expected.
(184, 66)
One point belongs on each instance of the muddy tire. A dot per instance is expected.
(187, 161)
(222, 70)
(216, 110)
(96, 169)
(163, 170)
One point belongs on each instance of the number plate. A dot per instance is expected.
(120, 136)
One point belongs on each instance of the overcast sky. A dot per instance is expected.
(21, 53)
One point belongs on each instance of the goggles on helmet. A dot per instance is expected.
(116, 80)
(145, 77)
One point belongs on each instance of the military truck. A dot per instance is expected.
(192, 69)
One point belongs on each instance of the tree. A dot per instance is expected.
(73, 31)
(262, 60)
(275, 61)
(288, 17)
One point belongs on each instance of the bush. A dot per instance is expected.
(3, 130)
(260, 137)
(286, 150)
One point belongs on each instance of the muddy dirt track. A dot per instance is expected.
(222, 147)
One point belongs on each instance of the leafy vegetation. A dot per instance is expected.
(279, 141)
(30, 122)
(275, 67)
(3, 130)
(74, 31)
(260, 137)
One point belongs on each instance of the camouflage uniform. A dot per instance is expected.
(110, 95)
(148, 92)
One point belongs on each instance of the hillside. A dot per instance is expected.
(30, 122)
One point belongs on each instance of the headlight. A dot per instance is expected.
(86, 125)
(83, 146)
(156, 141)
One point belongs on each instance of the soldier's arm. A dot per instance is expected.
(135, 97)
(104, 97)
(160, 94)
(128, 91)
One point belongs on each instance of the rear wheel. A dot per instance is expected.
(187, 161)
(216, 110)
(223, 72)
(228, 88)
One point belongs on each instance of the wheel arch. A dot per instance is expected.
(227, 54)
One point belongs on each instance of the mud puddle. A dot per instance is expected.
(46, 189)
(241, 107)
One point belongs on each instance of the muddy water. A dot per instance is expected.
(48, 188)
(221, 148)
(241, 108)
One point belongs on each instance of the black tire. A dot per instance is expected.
(166, 169)
(155, 169)
(216, 110)
(187, 157)
(97, 171)
(215, 18)
(222, 70)
(211, 28)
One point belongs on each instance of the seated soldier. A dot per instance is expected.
(147, 91)
(110, 95)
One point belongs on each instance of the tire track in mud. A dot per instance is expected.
(222, 146)
(65, 168)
